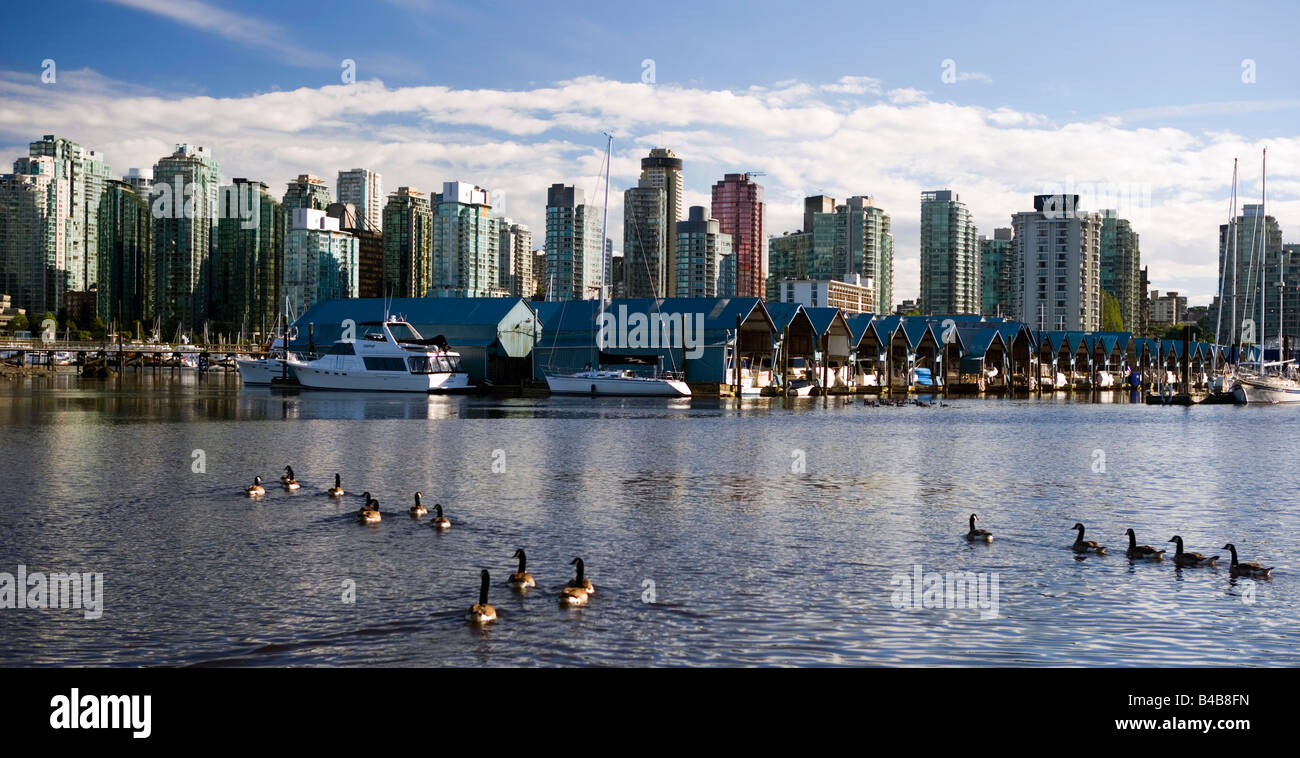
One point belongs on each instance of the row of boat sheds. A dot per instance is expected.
(509, 343)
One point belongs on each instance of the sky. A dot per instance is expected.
(1142, 108)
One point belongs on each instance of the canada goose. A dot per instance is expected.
(369, 513)
(255, 489)
(287, 479)
(977, 535)
(521, 579)
(337, 489)
(1190, 559)
(580, 581)
(418, 509)
(1246, 569)
(1142, 551)
(1082, 546)
(481, 612)
(440, 521)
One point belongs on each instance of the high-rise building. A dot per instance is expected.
(247, 268)
(864, 245)
(738, 207)
(370, 248)
(321, 262)
(645, 241)
(307, 191)
(998, 274)
(1258, 238)
(408, 244)
(142, 184)
(1058, 265)
(950, 255)
(515, 267)
(364, 189)
(1168, 309)
(184, 206)
(84, 175)
(1120, 263)
(31, 263)
(573, 245)
(465, 243)
(702, 250)
(125, 279)
(813, 205)
(663, 169)
(852, 294)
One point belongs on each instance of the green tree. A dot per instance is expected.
(18, 323)
(98, 329)
(1175, 332)
(1112, 320)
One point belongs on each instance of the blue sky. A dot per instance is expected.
(1108, 93)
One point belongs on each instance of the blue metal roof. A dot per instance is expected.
(782, 314)
(824, 317)
(859, 323)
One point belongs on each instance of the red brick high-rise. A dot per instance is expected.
(738, 207)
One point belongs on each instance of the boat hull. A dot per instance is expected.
(1262, 391)
(315, 378)
(259, 371)
(617, 386)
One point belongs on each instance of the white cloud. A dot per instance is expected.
(236, 27)
(808, 138)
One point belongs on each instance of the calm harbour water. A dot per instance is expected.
(750, 561)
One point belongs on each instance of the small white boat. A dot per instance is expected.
(391, 357)
(615, 383)
(260, 371)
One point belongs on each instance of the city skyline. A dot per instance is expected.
(878, 126)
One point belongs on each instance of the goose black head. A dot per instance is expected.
(366, 496)
(257, 480)
(1129, 533)
(1177, 539)
(438, 508)
(417, 498)
(289, 470)
(518, 553)
(1078, 526)
(1230, 546)
(338, 481)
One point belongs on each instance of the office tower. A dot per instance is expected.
(813, 205)
(364, 189)
(125, 278)
(184, 205)
(950, 256)
(645, 241)
(573, 245)
(247, 269)
(539, 272)
(663, 169)
(702, 250)
(1167, 309)
(1120, 264)
(408, 244)
(1058, 265)
(465, 243)
(321, 261)
(307, 191)
(738, 207)
(998, 273)
(515, 266)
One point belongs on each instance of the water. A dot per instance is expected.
(752, 563)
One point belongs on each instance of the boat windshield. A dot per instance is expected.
(403, 332)
(433, 364)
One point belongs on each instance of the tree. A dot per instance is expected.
(1175, 332)
(18, 323)
(1112, 320)
(98, 329)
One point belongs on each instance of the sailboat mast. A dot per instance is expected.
(604, 222)
(1263, 254)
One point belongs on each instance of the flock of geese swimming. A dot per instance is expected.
(1182, 558)
(577, 592)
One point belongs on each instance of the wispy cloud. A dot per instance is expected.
(235, 27)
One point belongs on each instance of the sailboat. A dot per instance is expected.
(619, 383)
(1271, 381)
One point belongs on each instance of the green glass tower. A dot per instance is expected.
(184, 207)
(408, 244)
(125, 277)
